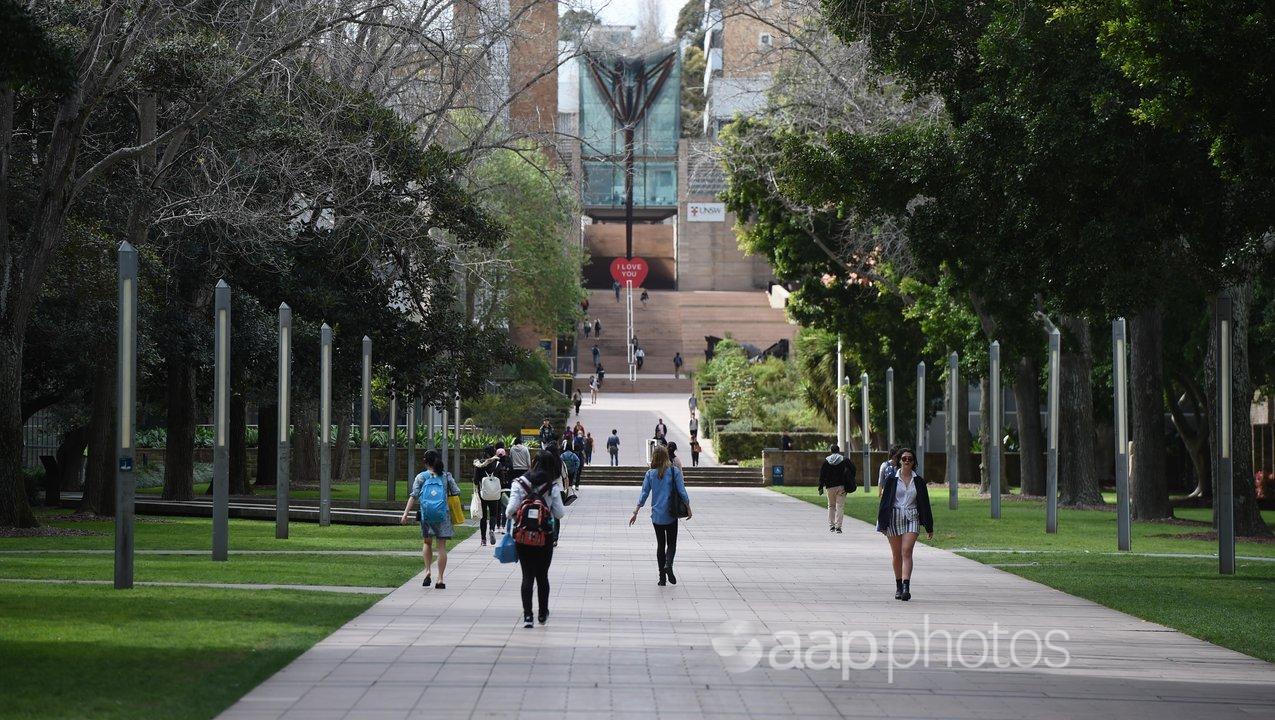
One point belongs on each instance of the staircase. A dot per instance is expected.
(719, 476)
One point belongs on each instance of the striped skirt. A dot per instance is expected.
(903, 521)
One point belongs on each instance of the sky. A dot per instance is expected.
(625, 12)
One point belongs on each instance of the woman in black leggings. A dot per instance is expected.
(488, 465)
(543, 480)
(661, 482)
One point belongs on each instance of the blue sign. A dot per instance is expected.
(126, 464)
(777, 475)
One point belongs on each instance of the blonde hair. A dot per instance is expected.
(659, 459)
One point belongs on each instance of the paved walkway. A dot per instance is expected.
(751, 564)
(635, 415)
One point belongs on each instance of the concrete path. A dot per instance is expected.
(635, 415)
(752, 565)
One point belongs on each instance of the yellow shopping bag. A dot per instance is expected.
(457, 510)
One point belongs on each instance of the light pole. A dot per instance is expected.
(442, 448)
(1225, 474)
(1051, 463)
(126, 430)
(920, 419)
(285, 444)
(953, 429)
(867, 440)
(391, 443)
(889, 407)
(1120, 380)
(994, 424)
(411, 442)
(221, 421)
(325, 425)
(842, 381)
(365, 449)
(456, 446)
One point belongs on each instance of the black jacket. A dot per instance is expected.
(923, 513)
(837, 471)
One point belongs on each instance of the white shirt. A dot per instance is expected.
(905, 493)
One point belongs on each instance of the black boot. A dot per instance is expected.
(907, 590)
(671, 577)
(663, 578)
(898, 588)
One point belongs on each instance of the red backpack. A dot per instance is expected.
(531, 520)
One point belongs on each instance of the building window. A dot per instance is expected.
(766, 40)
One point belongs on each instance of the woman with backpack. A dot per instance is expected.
(667, 489)
(904, 510)
(430, 491)
(487, 486)
(535, 500)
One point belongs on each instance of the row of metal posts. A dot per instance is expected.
(1120, 381)
(125, 483)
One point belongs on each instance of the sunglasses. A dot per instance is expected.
(906, 458)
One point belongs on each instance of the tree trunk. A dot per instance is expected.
(1148, 488)
(341, 448)
(1031, 440)
(1248, 519)
(15, 508)
(238, 445)
(179, 450)
(1077, 476)
(70, 457)
(985, 435)
(1195, 434)
(99, 480)
(305, 443)
(267, 431)
(964, 458)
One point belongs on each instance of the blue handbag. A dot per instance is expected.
(505, 551)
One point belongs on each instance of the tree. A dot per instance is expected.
(574, 25)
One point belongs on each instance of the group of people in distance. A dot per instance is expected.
(903, 506)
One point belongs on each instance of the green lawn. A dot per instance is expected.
(157, 653)
(89, 651)
(340, 491)
(1081, 559)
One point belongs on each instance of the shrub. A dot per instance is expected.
(518, 405)
(740, 446)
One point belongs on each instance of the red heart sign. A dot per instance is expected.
(633, 271)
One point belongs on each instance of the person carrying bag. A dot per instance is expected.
(666, 488)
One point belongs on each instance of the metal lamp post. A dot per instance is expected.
(842, 381)
(953, 429)
(221, 421)
(867, 440)
(411, 442)
(456, 445)
(1051, 462)
(1120, 380)
(920, 419)
(365, 449)
(889, 407)
(285, 444)
(126, 430)
(442, 447)
(1224, 502)
(325, 425)
(994, 424)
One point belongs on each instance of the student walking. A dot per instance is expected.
(785, 441)
(666, 488)
(615, 285)
(639, 356)
(588, 448)
(661, 430)
(888, 467)
(576, 399)
(904, 509)
(488, 485)
(597, 327)
(536, 498)
(587, 329)
(695, 451)
(519, 458)
(672, 455)
(837, 477)
(692, 403)
(547, 436)
(694, 426)
(677, 365)
(430, 490)
(644, 297)
(613, 448)
(602, 375)
(593, 389)
(597, 355)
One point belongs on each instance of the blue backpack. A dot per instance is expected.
(433, 499)
(572, 461)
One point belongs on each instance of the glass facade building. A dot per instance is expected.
(655, 136)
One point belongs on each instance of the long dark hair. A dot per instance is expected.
(907, 450)
(434, 461)
(545, 469)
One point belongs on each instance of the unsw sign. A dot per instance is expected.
(706, 212)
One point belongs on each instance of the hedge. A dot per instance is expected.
(733, 446)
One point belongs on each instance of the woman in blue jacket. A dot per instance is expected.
(661, 482)
(904, 510)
